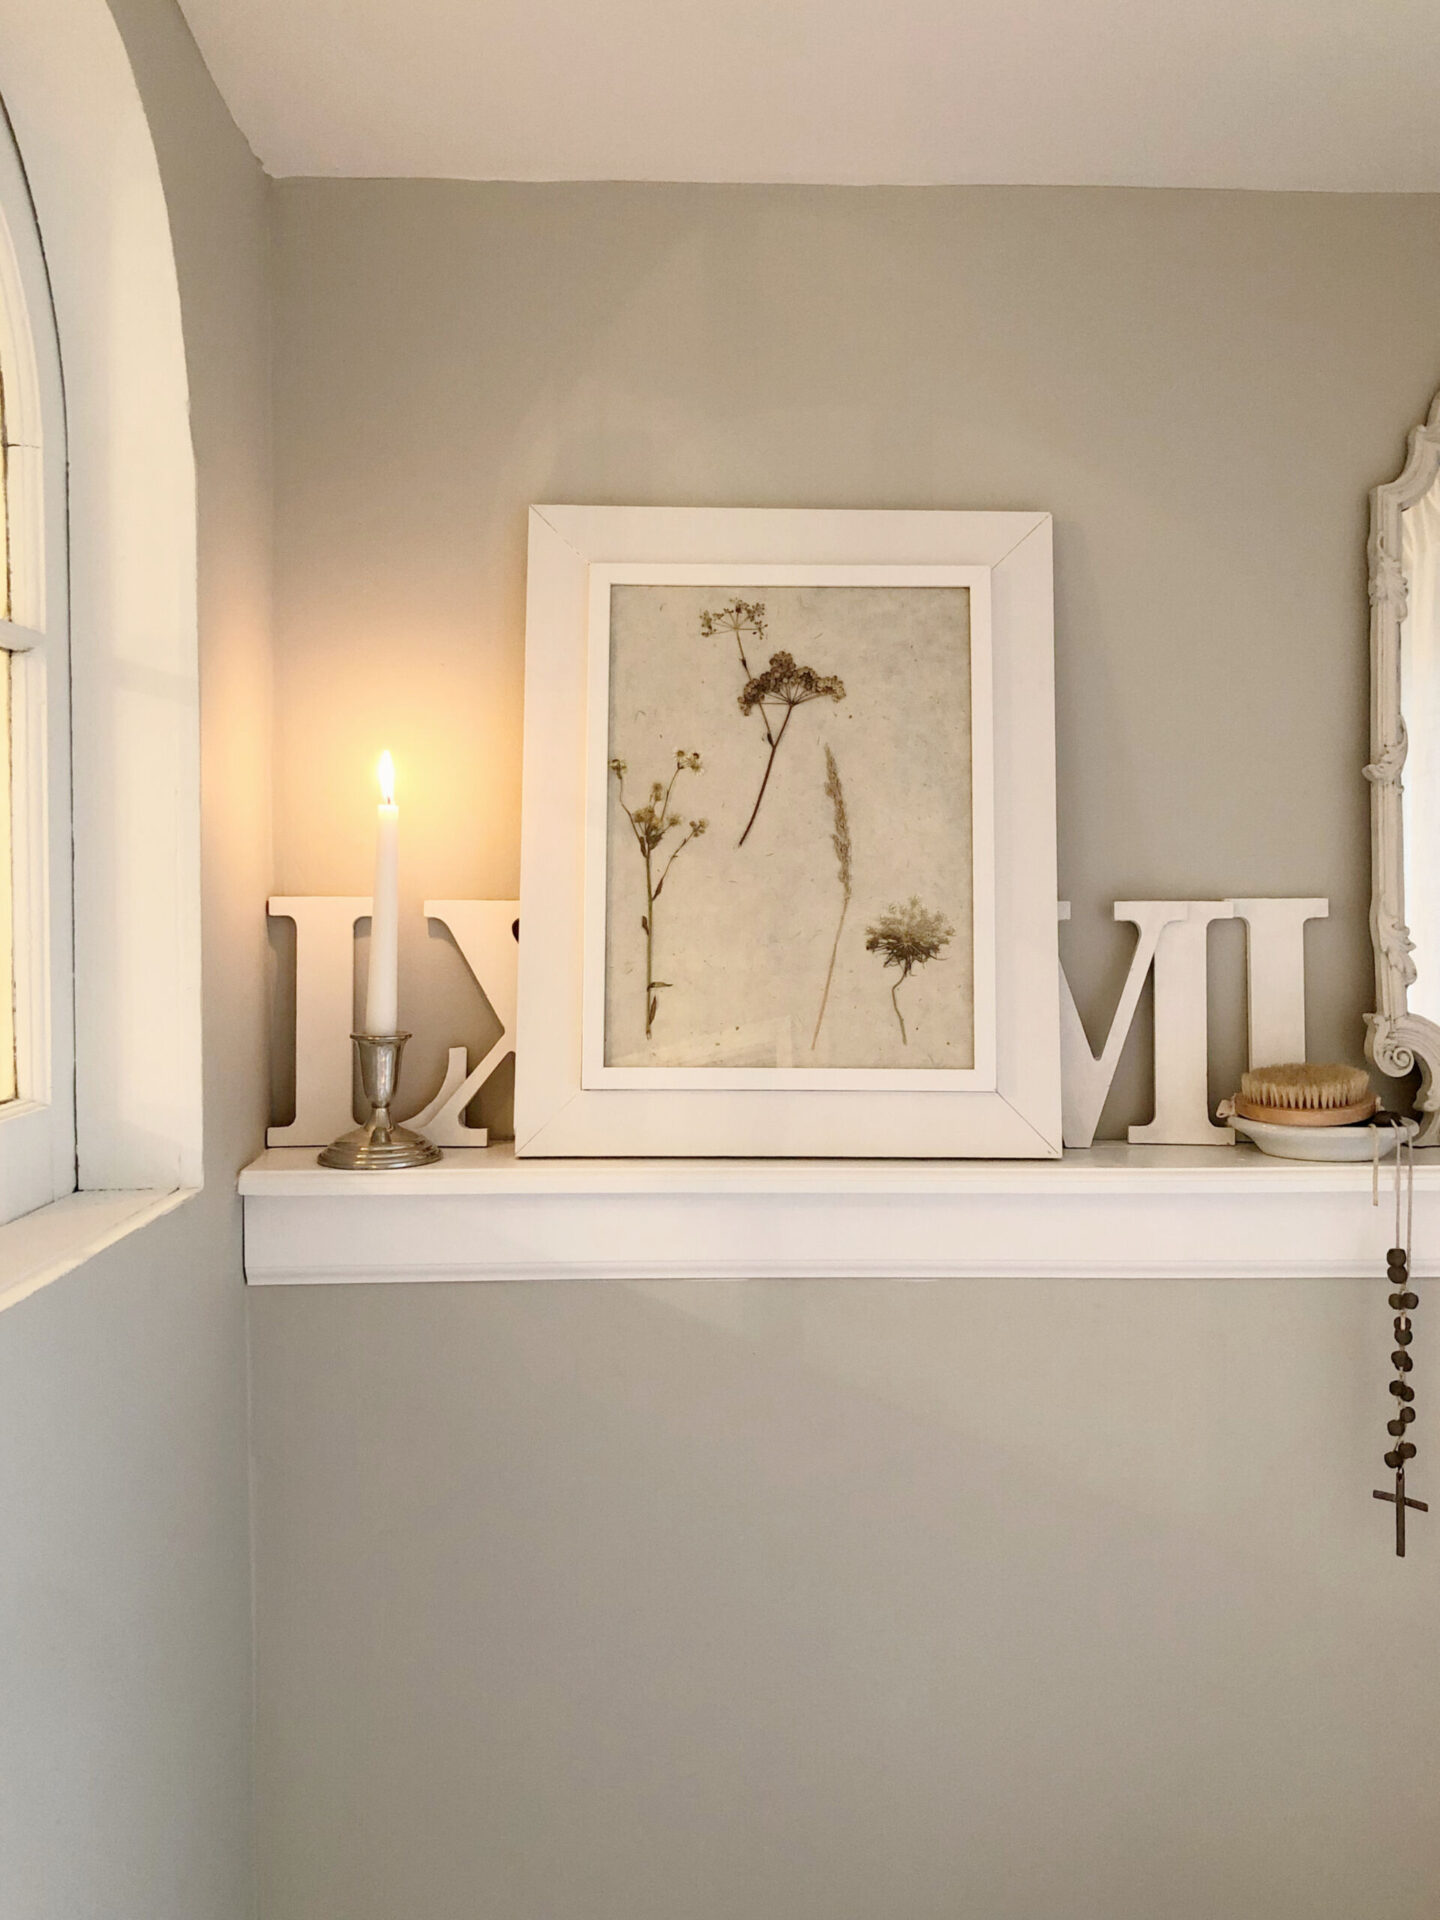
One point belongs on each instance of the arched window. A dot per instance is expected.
(101, 858)
(37, 1095)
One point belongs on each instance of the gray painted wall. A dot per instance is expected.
(126, 1687)
(834, 1601)
(1200, 386)
(803, 1602)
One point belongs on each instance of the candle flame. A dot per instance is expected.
(386, 771)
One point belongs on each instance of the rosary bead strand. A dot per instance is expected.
(1403, 1302)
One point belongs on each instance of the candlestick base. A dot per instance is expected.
(379, 1145)
(373, 1149)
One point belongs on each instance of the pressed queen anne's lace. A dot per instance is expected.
(741, 616)
(783, 684)
(909, 937)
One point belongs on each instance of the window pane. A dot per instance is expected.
(6, 610)
(7, 864)
(7, 897)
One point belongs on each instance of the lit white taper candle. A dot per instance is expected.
(382, 998)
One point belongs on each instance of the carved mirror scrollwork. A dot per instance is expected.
(1404, 771)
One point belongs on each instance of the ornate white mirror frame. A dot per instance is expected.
(1398, 1038)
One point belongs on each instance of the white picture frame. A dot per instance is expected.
(568, 1100)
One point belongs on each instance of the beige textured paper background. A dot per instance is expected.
(744, 934)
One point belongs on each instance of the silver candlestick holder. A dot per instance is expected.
(380, 1144)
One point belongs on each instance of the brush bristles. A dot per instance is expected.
(1310, 1088)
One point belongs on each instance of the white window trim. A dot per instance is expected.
(95, 181)
(37, 1129)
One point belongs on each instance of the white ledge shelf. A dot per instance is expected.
(1112, 1210)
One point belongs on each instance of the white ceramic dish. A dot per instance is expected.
(1322, 1143)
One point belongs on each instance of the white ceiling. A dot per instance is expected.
(1337, 94)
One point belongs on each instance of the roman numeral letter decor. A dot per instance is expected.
(1171, 937)
(484, 931)
(1170, 940)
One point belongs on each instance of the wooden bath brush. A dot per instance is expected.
(1302, 1095)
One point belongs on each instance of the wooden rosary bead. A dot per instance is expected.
(1401, 1391)
(1401, 1360)
(1399, 1455)
(1404, 1302)
(1404, 1332)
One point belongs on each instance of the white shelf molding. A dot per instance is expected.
(1108, 1211)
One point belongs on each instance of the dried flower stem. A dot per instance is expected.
(840, 840)
(650, 823)
(782, 684)
(765, 778)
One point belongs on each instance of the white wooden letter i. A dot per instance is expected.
(1275, 975)
(1182, 1050)
(324, 1015)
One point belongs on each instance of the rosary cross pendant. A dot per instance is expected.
(1401, 1503)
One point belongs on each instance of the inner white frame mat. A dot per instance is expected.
(577, 552)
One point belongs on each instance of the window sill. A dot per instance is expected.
(39, 1247)
(1110, 1211)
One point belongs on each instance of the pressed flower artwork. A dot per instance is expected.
(827, 765)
